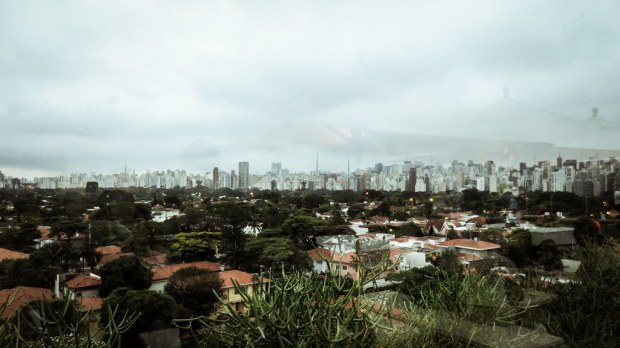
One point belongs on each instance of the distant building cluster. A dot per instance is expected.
(584, 178)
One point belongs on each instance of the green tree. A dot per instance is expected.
(157, 311)
(519, 248)
(60, 255)
(195, 289)
(106, 232)
(356, 211)
(300, 227)
(492, 235)
(336, 219)
(234, 217)
(67, 228)
(23, 272)
(21, 239)
(194, 246)
(585, 311)
(124, 272)
(449, 261)
(40, 269)
(452, 234)
(587, 231)
(275, 253)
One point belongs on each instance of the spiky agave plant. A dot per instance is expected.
(51, 325)
(300, 310)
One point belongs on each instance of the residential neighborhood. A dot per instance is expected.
(184, 254)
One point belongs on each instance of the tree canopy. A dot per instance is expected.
(124, 272)
(194, 246)
(275, 252)
(195, 289)
(157, 310)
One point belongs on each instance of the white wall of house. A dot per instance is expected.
(74, 294)
(158, 285)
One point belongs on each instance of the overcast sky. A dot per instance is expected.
(96, 85)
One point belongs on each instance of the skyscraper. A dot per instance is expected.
(216, 178)
(413, 177)
(244, 175)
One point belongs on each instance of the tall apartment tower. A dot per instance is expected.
(413, 177)
(234, 180)
(216, 178)
(244, 175)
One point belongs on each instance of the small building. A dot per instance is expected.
(247, 282)
(160, 213)
(326, 261)
(559, 235)
(79, 286)
(475, 247)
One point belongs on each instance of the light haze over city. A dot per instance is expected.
(97, 86)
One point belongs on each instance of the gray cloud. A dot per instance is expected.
(198, 84)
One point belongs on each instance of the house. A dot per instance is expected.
(45, 237)
(75, 287)
(437, 227)
(110, 253)
(76, 240)
(474, 247)
(559, 235)
(247, 282)
(357, 226)
(6, 254)
(326, 261)
(406, 259)
(19, 296)
(160, 213)
(161, 274)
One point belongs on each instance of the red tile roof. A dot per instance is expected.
(83, 281)
(20, 296)
(319, 254)
(165, 272)
(242, 278)
(45, 232)
(108, 250)
(6, 254)
(112, 257)
(90, 303)
(155, 260)
(470, 244)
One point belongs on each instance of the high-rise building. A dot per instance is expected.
(234, 180)
(413, 177)
(378, 168)
(244, 175)
(276, 167)
(216, 178)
